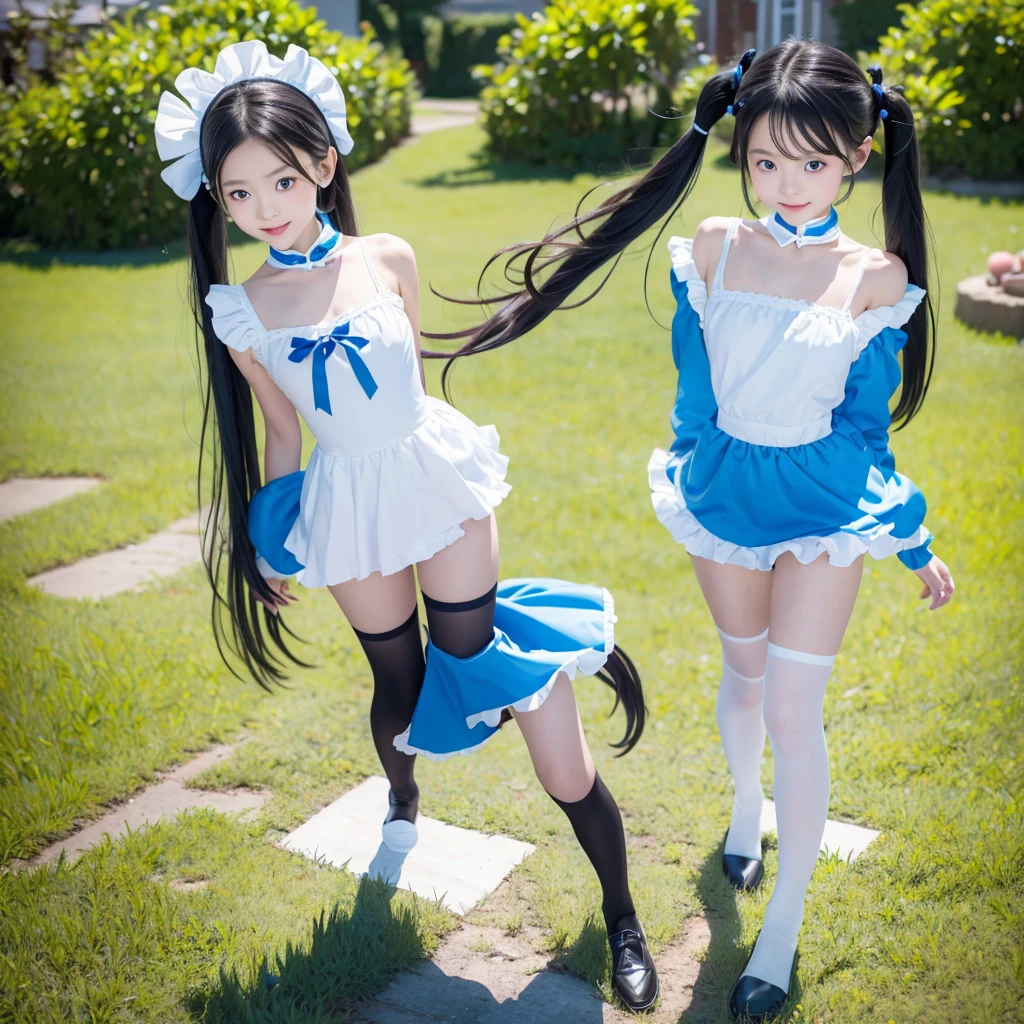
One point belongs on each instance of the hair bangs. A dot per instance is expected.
(792, 124)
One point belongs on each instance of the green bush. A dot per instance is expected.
(462, 42)
(961, 63)
(78, 158)
(862, 22)
(567, 81)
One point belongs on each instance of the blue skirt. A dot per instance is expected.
(541, 627)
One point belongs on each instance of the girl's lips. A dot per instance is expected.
(790, 206)
(276, 231)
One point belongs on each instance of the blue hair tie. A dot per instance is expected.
(729, 110)
(880, 93)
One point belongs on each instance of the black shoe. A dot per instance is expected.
(755, 1001)
(405, 809)
(633, 975)
(742, 872)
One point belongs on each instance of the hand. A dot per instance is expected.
(938, 583)
(282, 597)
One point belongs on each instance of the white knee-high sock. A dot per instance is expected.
(741, 727)
(794, 691)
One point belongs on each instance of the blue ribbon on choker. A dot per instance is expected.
(822, 228)
(321, 349)
(328, 240)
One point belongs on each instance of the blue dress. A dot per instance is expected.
(781, 427)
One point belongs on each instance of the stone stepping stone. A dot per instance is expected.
(163, 800)
(849, 841)
(20, 496)
(127, 568)
(457, 866)
(481, 975)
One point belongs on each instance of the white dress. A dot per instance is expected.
(394, 471)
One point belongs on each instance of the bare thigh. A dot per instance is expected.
(739, 599)
(553, 733)
(466, 569)
(811, 604)
(378, 603)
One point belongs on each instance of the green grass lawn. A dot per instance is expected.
(923, 716)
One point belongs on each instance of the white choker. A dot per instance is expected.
(815, 232)
(319, 253)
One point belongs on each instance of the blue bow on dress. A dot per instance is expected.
(322, 348)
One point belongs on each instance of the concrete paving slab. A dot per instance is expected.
(18, 497)
(164, 799)
(455, 865)
(128, 568)
(849, 841)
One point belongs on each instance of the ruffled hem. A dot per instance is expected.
(843, 547)
(681, 253)
(508, 663)
(873, 321)
(588, 662)
(389, 509)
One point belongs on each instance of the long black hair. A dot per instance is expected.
(288, 122)
(807, 90)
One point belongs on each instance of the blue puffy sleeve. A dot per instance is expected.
(272, 513)
(695, 400)
(889, 496)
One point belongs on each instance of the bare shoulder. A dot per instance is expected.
(391, 250)
(707, 242)
(885, 279)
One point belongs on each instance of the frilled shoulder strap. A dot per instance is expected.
(234, 321)
(685, 273)
(872, 322)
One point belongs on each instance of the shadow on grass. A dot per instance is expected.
(554, 993)
(488, 170)
(349, 959)
(40, 257)
(725, 957)
(26, 253)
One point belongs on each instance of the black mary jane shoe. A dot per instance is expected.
(755, 1001)
(407, 810)
(634, 978)
(742, 872)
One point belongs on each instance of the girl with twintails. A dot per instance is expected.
(327, 329)
(787, 338)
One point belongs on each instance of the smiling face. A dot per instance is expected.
(273, 200)
(791, 177)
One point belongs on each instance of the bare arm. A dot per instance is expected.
(283, 451)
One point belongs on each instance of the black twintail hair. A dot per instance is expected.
(287, 121)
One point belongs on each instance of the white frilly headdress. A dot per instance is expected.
(178, 123)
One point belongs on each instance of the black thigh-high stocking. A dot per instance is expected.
(396, 659)
(463, 628)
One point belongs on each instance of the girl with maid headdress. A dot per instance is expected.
(787, 338)
(327, 329)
